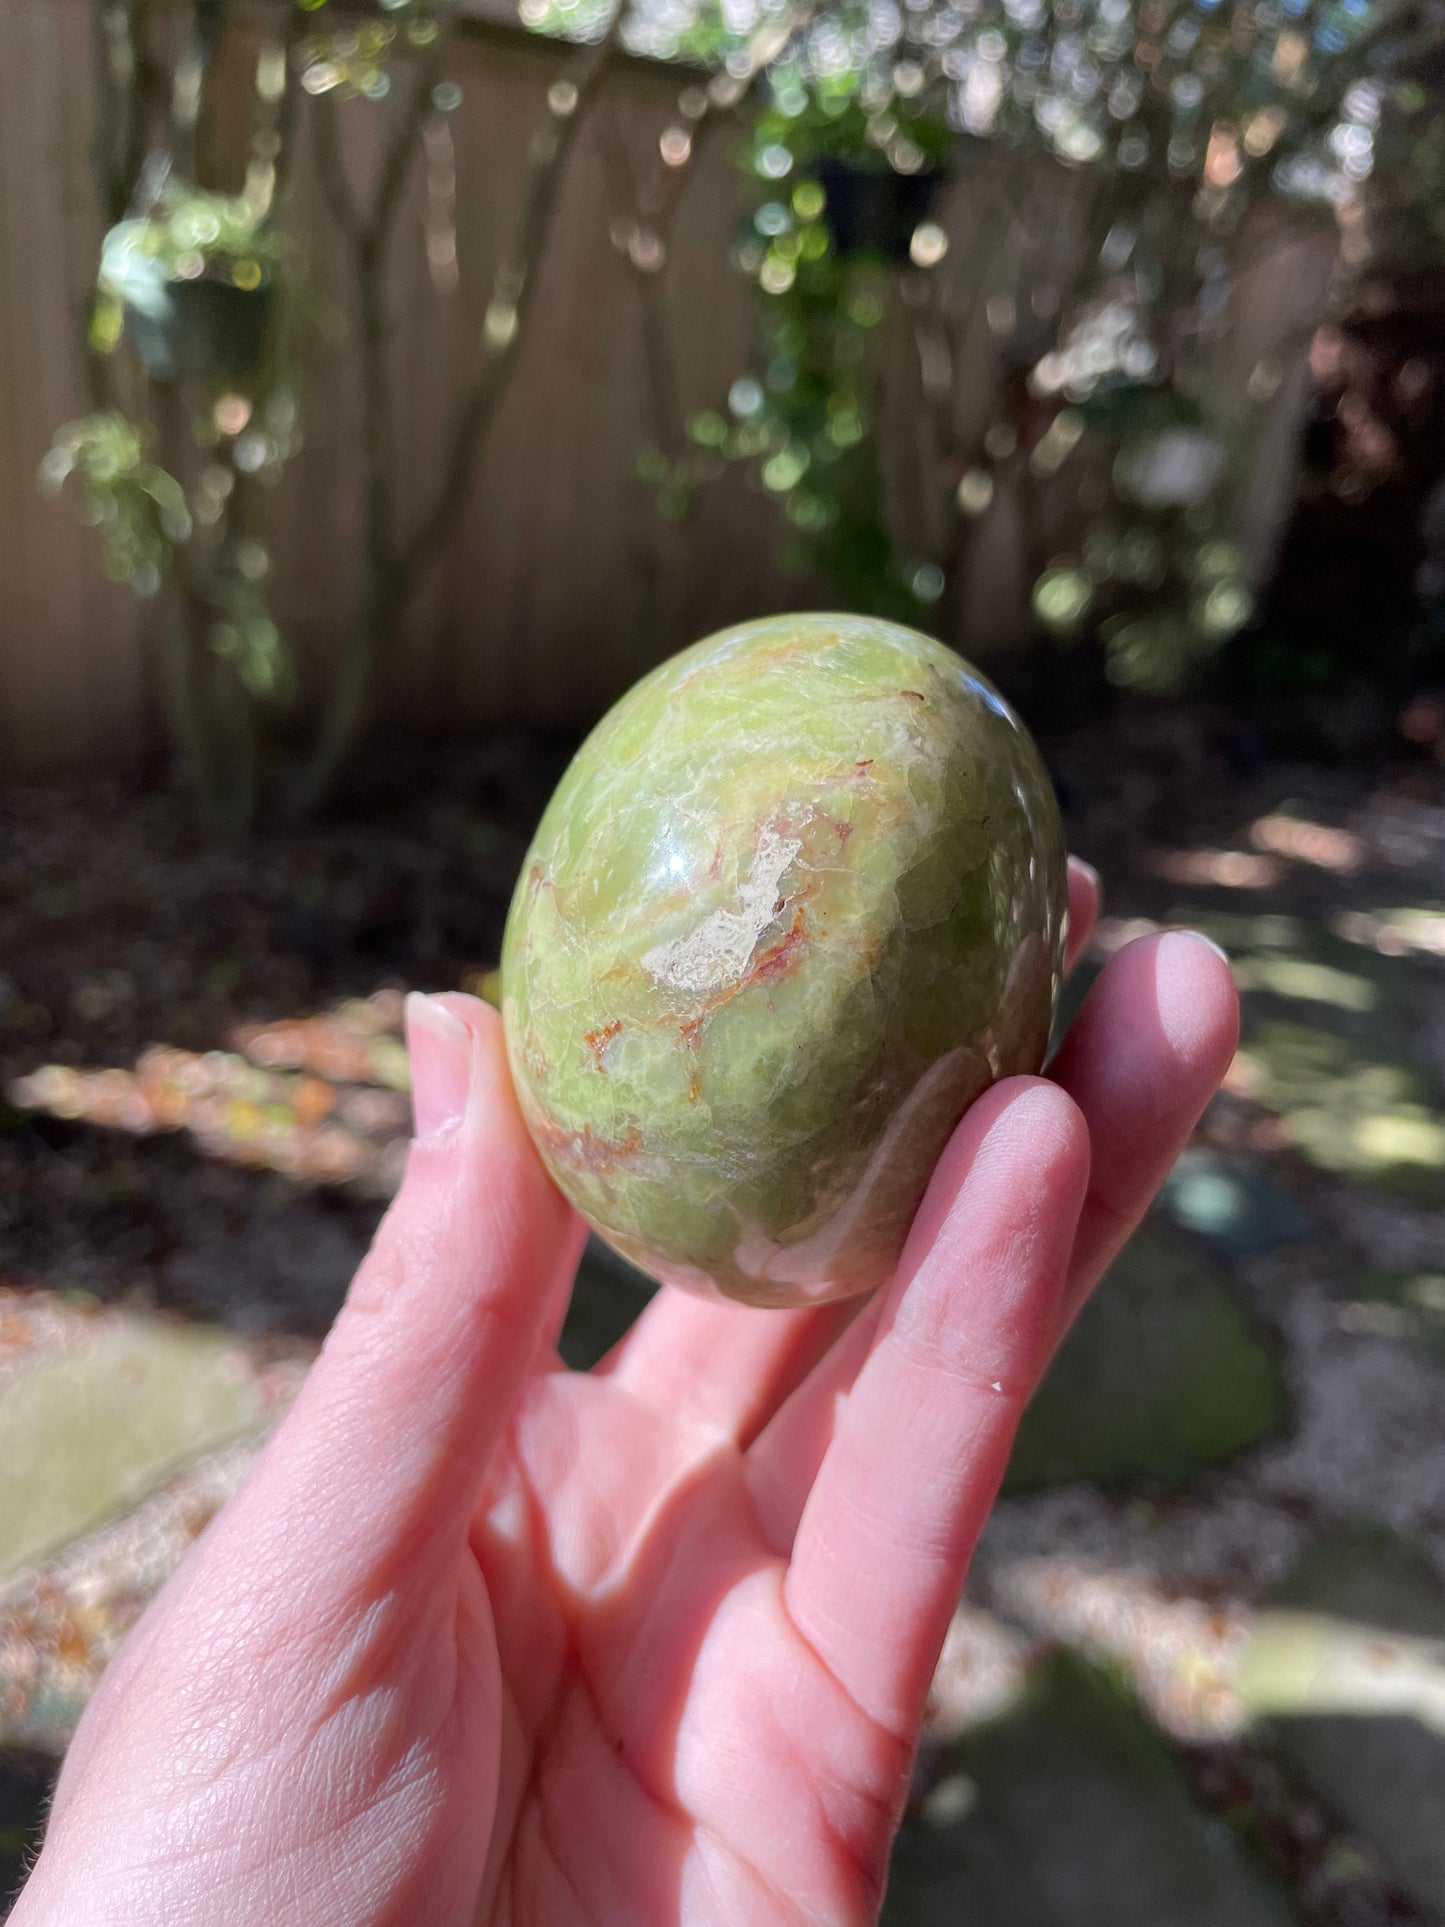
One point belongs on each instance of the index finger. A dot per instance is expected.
(391, 1434)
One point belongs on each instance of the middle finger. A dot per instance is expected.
(730, 1367)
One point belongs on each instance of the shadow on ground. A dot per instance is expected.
(1217, 1570)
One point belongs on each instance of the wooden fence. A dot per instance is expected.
(539, 609)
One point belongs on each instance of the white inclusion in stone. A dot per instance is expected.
(717, 952)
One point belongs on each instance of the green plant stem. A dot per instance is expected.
(655, 204)
(349, 708)
(386, 589)
(331, 169)
(974, 274)
(183, 707)
(279, 118)
(130, 94)
(183, 638)
(232, 704)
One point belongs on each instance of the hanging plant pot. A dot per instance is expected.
(203, 330)
(205, 327)
(875, 210)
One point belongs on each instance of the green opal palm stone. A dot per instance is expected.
(798, 900)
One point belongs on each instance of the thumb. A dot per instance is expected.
(278, 1690)
(386, 1447)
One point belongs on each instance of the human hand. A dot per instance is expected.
(485, 1640)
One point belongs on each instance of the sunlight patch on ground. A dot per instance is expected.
(1344, 1674)
(87, 1431)
(1298, 977)
(1348, 1111)
(322, 1099)
(981, 1673)
(1224, 869)
(1181, 1654)
(61, 1625)
(1394, 933)
(1318, 844)
(1313, 1662)
(1070, 1808)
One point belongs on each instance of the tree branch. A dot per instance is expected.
(401, 149)
(513, 288)
(284, 119)
(656, 205)
(331, 168)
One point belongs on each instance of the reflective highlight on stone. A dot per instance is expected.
(798, 900)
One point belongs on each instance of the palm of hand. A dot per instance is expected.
(664, 1719)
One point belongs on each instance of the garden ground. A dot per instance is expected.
(1199, 1680)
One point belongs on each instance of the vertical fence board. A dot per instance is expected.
(71, 659)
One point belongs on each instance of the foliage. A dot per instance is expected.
(1186, 121)
(1157, 576)
(154, 535)
(802, 423)
(190, 232)
(191, 332)
(139, 510)
(804, 118)
(360, 61)
(196, 335)
(1404, 198)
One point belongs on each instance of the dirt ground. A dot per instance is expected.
(204, 1105)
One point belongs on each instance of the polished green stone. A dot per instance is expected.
(797, 901)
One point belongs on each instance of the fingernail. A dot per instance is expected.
(1088, 869)
(440, 1047)
(1209, 944)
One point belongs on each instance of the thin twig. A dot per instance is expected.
(331, 168)
(401, 150)
(513, 289)
(656, 205)
(188, 83)
(285, 121)
(373, 246)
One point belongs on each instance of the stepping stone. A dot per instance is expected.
(1069, 1811)
(86, 1433)
(62, 1619)
(1351, 1109)
(1163, 1374)
(1233, 1204)
(1346, 1673)
(1405, 1305)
